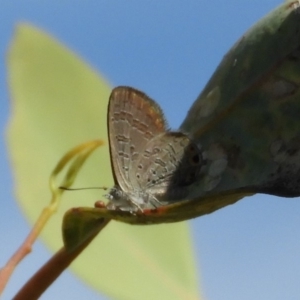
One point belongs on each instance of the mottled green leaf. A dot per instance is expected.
(247, 117)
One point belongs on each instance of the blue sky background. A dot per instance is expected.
(169, 50)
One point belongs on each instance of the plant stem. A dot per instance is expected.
(48, 273)
(24, 249)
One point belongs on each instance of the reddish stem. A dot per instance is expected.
(47, 274)
(24, 249)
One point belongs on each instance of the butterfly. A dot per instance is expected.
(151, 165)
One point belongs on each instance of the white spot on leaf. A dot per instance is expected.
(211, 182)
(209, 103)
(217, 167)
(279, 88)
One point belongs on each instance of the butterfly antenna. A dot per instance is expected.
(80, 189)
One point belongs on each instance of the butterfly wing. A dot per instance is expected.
(133, 120)
(168, 164)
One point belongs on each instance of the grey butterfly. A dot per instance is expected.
(151, 165)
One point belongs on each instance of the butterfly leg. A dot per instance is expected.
(155, 202)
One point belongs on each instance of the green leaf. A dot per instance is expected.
(247, 117)
(58, 102)
(78, 227)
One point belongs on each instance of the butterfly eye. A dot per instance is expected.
(194, 155)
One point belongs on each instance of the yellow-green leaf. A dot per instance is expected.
(58, 102)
